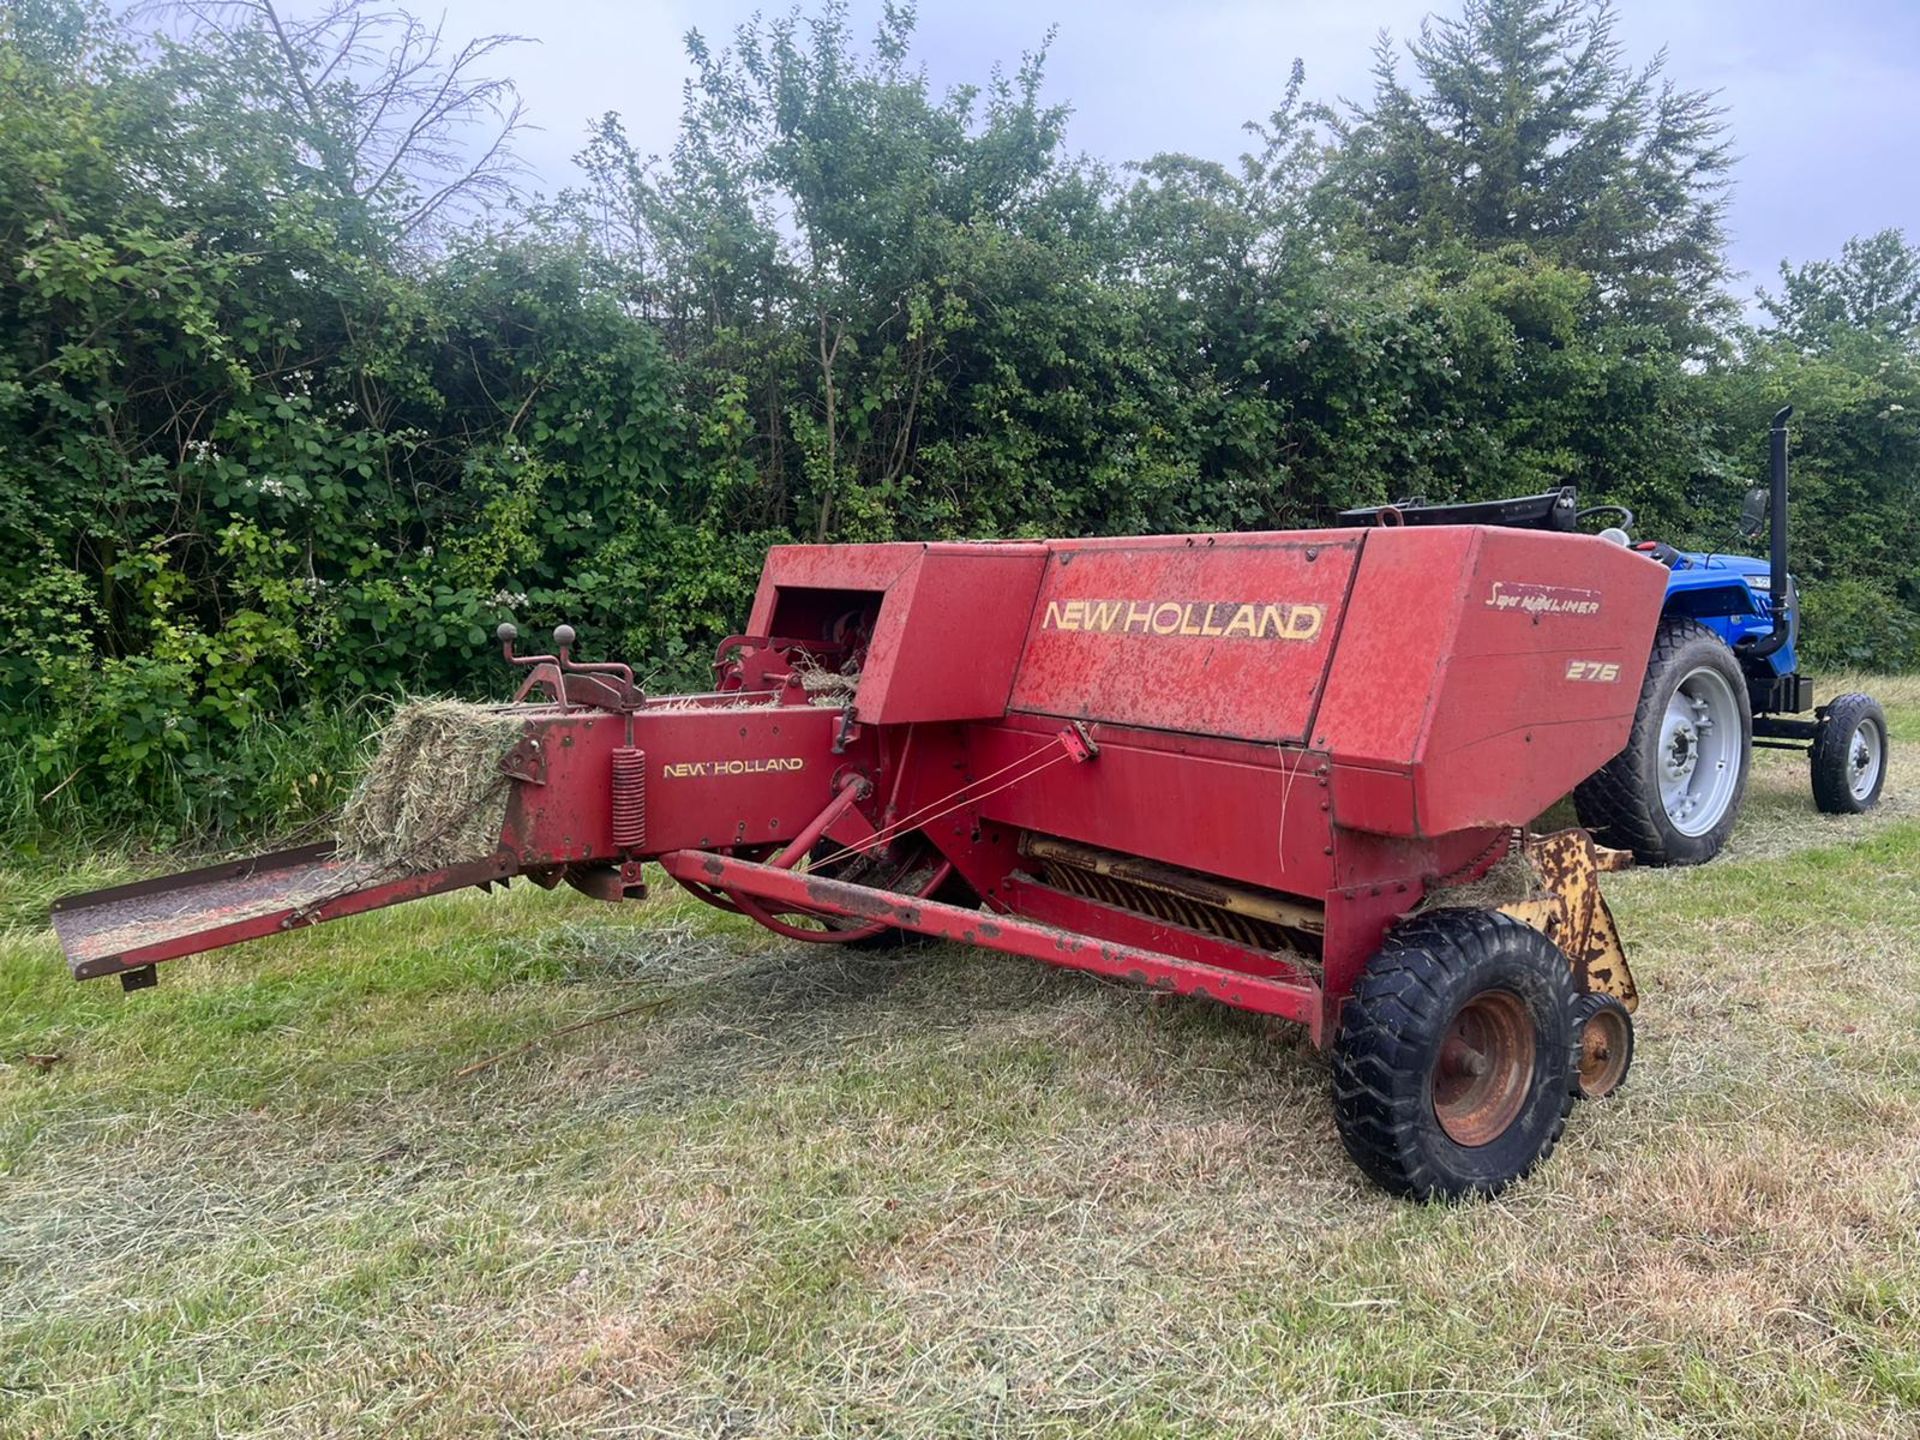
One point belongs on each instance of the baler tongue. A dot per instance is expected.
(127, 929)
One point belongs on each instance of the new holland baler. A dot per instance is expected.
(1289, 772)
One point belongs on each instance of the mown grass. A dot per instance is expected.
(942, 1192)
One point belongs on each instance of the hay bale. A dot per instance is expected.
(433, 794)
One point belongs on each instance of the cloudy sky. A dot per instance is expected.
(1823, 98)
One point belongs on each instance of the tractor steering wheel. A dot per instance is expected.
(1626, 515)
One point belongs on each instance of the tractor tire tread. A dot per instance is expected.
(1830, 753)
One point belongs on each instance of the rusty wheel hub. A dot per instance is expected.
(1605, 1049)
(1485, 1066)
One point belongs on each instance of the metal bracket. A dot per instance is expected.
(1078, 742)
(525, 762)
(846, 732)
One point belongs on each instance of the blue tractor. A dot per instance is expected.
(1722, 679)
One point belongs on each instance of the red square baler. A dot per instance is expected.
(1290, 772)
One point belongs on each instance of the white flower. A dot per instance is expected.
(512, 600)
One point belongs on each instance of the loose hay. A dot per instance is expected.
(824, 687)
(1510, 880)
(433, 794)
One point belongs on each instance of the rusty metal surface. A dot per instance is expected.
(1224, 635)
(1484, 1068)
(1606, 1050)
(1573, 912)
(131, 926)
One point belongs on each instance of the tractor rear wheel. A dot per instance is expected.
(1673, 794)
(1451, 1070)
(1850, 755)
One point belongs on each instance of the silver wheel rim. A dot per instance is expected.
(1700, 751)
(1864, 752)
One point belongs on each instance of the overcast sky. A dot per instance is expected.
(1823, 99)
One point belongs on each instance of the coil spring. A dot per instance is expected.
(629, 798)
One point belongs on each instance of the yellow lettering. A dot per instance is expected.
(1197, 618)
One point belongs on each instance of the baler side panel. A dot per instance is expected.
(745, 776)
(1224, 635)
(1261, 818)
(949, 636)
(1544, 677)
(1482, 673)
(949, 620)
(1399, 629)
(869, 568)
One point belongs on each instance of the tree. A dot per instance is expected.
(1870, 294)
(396, 116)
(903, 286)
(1527, 127)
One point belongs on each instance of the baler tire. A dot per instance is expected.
(1395, 1027)
(1599, 1073)
(1621, 801)
(1846, 724)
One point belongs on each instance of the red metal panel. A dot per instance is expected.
(1214, 635)
(949, 635)
(1261, 817)
(1401, 614)
(948, 625)
(731, 776)
(1470, 664)
(1543, 679)
(826, 567)
(130, 926)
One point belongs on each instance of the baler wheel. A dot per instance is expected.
(1451, 1070)
(1673, 795)
(1603, 1046)
(1850, 755)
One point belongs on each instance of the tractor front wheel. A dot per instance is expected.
(1673, 794)
(1451, 1070)
(1850, 755)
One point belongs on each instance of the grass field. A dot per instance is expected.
(941, 1192)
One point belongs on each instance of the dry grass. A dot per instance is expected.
(946, 1193)
(433, 793)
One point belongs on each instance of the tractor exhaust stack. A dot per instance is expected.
(1777, 590)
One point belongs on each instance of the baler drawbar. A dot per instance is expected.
(1289, 772)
